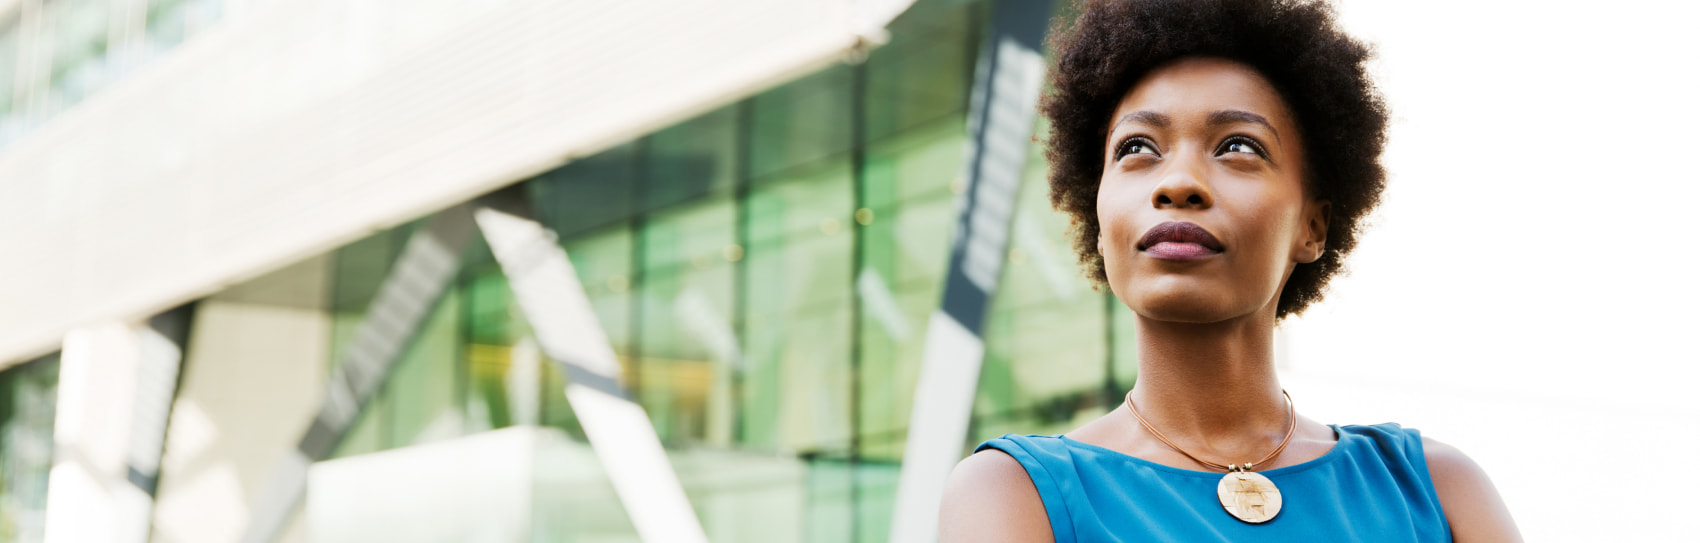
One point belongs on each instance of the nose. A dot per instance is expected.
(1182, 189)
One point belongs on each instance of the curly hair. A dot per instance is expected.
(1317, 69)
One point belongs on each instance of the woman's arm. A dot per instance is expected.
(990, 499)
(1472, 505)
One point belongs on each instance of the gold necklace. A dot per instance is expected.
(1246, 495)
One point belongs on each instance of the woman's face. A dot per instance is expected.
(1202, 209)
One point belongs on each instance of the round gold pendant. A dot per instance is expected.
(1249, 496)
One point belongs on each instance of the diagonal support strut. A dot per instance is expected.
(552, 299)
(420, 276)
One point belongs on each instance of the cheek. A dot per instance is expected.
(1115, 221)
(1272, 221)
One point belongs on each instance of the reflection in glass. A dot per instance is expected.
(765, 273)
(685, 300)
(170, 22)
(79, 46)
(797, 322)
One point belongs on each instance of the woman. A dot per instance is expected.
(1217, 158)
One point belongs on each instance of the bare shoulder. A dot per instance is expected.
(1472, 504)
(990, 498)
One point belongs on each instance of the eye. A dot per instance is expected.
(1241, 144)
(1135, 145)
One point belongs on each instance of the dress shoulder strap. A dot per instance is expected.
(1400, 452)
(1051, 468)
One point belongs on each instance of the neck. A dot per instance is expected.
(1213, 385)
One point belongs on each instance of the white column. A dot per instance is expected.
(88, 496)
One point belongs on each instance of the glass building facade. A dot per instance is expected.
(765, 273)
(55, 53)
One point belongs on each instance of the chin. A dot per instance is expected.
(1189, 313)
(1168, 303)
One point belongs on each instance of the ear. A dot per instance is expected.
(1313, 238)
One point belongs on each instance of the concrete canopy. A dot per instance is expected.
(294, 127)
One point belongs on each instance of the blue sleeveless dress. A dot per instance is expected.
(1372, 486)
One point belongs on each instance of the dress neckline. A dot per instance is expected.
(1333, 453)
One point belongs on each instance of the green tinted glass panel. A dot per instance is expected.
(169, 22)
(1047, 364)
(603, 260)
(589, 193)
(905, 249)
(801, 122)
(421, 394)
(691, 160)
(687, 346)
(358, 271)
(79, 48)
(923, 75)
(797, 327)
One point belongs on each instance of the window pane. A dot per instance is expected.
(1047, 367)
(796, 384)
(79, 49)
(923, 75)
(172, 21)
(358, 271)
(691, 160)
(801, 122)
(420, 397)
(686, 339)
(905, 250)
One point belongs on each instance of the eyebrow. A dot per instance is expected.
(1232, 116)
(1152, 118)
(1216, 118)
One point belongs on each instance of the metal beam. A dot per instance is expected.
(1007, 80)
(162, 345)
(552, 299)
(418, 279)
(118, 381)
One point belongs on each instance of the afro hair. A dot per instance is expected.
(1318, 70)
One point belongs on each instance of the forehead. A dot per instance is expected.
(1199, 86)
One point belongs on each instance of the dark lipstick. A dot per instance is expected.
(1179, 240)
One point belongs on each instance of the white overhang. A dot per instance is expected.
(294, 127)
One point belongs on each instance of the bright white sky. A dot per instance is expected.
(1528, 288)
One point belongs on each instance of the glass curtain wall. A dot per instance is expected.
(81, 30)
(169, 22)
(56, 53)
(765, 273)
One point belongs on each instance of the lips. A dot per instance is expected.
(1179, 240)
